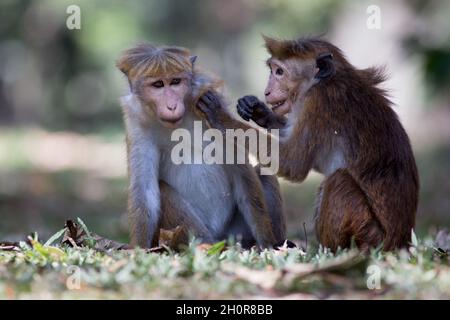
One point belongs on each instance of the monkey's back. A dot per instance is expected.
(382, 162)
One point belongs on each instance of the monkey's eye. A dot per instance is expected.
(158, 84)
(279, 72)
(175, 81)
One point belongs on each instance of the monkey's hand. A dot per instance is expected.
(250, 107)
(210, 105)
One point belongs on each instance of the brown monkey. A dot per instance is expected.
(334, 119)
(212, 201)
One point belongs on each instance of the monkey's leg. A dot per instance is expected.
(272, 195)
(238, 229)
(176, 211)
(343, 213)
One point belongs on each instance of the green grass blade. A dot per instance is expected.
(54, 237)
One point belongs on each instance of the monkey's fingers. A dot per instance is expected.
(202, 106)
(244, 110)
(244, 115)
(243, 104)
(206, 98)
(210, 100)
(212, 97)
(252, 101)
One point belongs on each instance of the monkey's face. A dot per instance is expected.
(288, 79)
(165, 98)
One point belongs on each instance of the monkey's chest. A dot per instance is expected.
(205, 187)
(329, 160)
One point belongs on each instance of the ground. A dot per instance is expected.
(33, 270)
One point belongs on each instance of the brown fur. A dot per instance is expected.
(148, 60)
(380, 165)
(373, 197)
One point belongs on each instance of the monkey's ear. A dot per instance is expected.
(325, 64)
(124, 65)
(277, 48)
(193, 59)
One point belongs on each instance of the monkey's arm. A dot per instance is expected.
(297, 143)
(251, 108)
(218, 117)
(249, 195)
(143, 194)
(298, 151)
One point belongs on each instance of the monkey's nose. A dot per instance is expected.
(267, 93)
(172, 108)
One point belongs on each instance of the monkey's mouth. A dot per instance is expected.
(278, 104)
(171, 122)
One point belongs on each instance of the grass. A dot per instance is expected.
(42, 271)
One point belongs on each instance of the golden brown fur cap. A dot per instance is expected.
(154, 61)
(305, 47)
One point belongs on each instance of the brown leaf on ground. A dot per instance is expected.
(75, 236)
(174, 238)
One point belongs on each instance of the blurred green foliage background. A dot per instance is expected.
(62, 150)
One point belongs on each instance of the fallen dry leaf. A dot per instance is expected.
(174, 238)
(75, 236)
